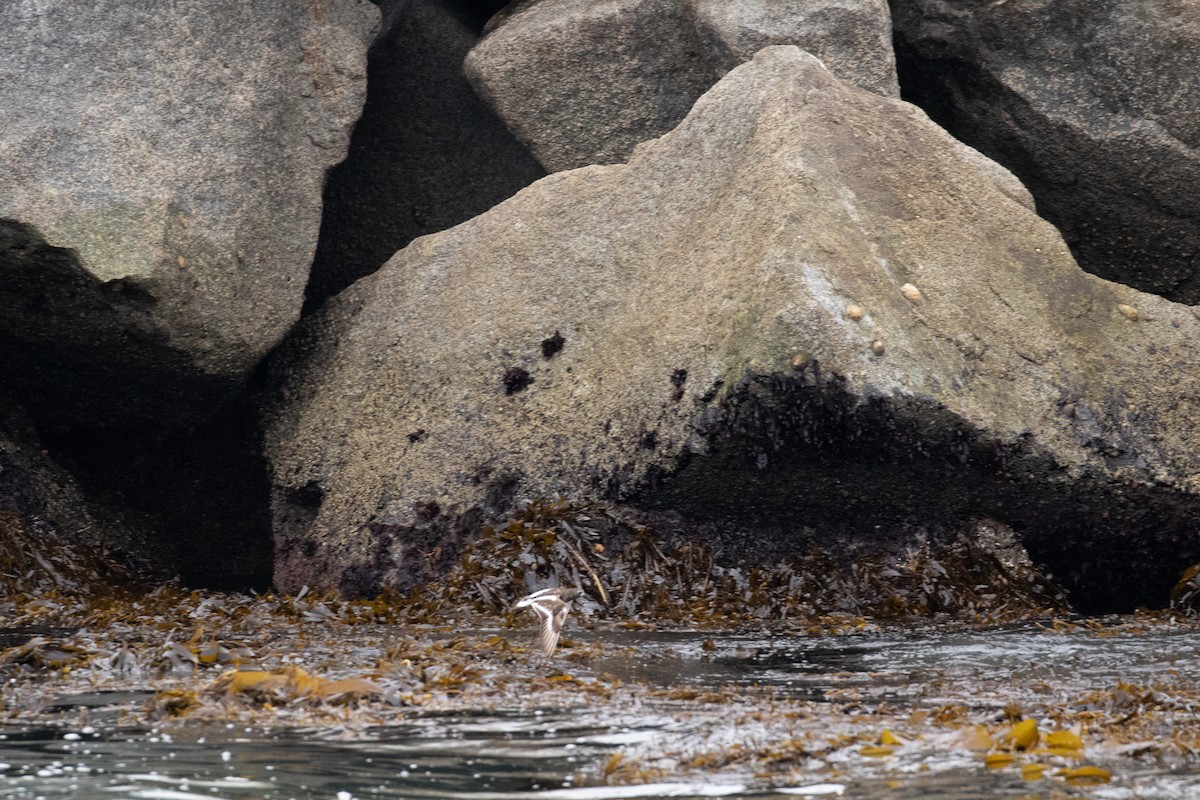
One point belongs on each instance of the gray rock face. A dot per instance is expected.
(1094, 106)
(853, 38)
(582, 82)
(160, 185)
(805, 313)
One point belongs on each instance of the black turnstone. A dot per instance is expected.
(551, 606)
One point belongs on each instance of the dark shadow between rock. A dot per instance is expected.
(795, 463)
(426, 154)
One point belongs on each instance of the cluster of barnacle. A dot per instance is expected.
(634, 574)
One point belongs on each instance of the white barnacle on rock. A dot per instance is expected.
(912, 294)
(1129, 312)
(855, 312)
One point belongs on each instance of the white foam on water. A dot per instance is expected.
(1185, 787)
(814, 790)
(159, 793)
(628, 737)
(679, 789)
(501, 725)
(645, 790)
(231, 782)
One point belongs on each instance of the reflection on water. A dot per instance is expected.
(500, 754)
(487, 759)
(492, 755)
(796, 660)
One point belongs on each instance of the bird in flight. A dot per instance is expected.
(551, 606)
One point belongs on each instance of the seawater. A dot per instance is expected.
(498, 753)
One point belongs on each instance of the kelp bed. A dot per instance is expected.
(631, 573)
(312, 660)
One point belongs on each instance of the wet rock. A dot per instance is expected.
(160, 194)
(700, 293)
(55, 542)
(583, 82)
(426, 154)
(1093, 106)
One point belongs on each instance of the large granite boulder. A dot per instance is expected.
(805, 315)
(1095, 106)
(161, 169)
(582, 82)
(427, 153)
(853, 38)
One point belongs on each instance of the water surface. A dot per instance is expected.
(762, 690)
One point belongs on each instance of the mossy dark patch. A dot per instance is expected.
(678, 379)
(516, 379)
(553, 345)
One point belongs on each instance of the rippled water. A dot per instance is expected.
(503, 754)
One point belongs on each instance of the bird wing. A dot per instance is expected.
(553, 615)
